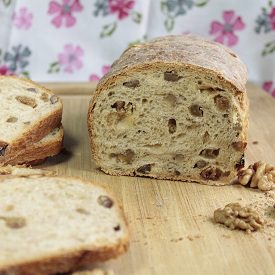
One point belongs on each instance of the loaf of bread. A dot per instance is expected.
(50, 145)
(172, 108)
(52, 225)
(28, 112)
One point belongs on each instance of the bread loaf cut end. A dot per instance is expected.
(160, 116)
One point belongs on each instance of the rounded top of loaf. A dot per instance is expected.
(188, 50)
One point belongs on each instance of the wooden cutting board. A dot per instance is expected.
(172, 230)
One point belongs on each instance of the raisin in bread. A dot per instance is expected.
(49, 146)
(52, 225)
(28, 112)
(172, 108)
(24, 171)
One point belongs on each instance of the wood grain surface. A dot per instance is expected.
(172, 230)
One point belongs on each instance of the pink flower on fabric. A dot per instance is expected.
(268, 87)
(64, 12)
(272, 18)
(122, 7)
(23, 18)
(226, 31)
(70, 59)
(105, 69)
(4, 70)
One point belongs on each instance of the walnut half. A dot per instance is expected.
(258, 175)
(235, 216)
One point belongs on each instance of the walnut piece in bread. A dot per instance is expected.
(172, 108)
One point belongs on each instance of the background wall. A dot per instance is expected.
(77, 40)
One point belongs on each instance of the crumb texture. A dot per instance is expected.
(235, 217)
(51, 217)
(22, 104)
(169, 120)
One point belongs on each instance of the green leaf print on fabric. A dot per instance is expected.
(108, 30)
(169, 23)
(120, 9)
(136, 16)
(175, 8)
(269, 48)
(54, 68)
(6, 2)
(265, 23)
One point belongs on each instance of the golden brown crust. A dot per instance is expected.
(174, 53)
(189, 50)
(68, 261)
(37, 132)
(37, 153)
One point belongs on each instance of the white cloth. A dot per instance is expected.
(77, 40)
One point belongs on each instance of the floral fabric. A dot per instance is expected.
(77, 40)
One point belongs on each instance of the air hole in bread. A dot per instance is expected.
(210, 153)
(178, 157)
(196, 110)
(172, 125)
(200, 164)
(171, 99)
(145, 169)
(132, 83)
(171, 76)
(126, 157)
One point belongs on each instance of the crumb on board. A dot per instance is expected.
(193, 237)
(255, 142)
(175, 240)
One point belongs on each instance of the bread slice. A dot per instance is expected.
(96, 271)
(172, 108)
(50, 145)
(28, 112)
(24, 171)
(52, 225)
